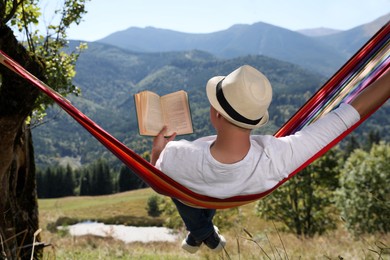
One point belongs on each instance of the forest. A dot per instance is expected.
(91, 180)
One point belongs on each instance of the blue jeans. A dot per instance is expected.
(199, 222)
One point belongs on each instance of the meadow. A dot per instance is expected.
(248, 238)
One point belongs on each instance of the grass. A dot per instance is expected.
(118, 204)
(249, 238)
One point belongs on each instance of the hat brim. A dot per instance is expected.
(212, 97)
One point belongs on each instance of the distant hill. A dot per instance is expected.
(315, 32)
(108, 77)
(321, 54)
(348, 42)
(238, 40)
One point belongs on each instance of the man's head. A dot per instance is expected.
(242, 97)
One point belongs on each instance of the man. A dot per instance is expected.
(234, 162)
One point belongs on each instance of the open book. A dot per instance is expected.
(154, 112)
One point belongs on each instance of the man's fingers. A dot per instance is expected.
(172, 137)
(163, 130)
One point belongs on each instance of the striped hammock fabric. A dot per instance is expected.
(367, 65)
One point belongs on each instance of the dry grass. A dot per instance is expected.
(261, 240)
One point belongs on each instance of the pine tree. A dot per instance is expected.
(40, 183)
(351, 144)
(85, 186)
(68, 181)
(49, 182)
(59, 174)
(128, 180)
(102, 182)
(372, 138)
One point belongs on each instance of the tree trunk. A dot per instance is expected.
(18, 197)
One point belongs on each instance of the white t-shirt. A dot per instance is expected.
(268, 161)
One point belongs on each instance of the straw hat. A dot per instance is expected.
(242, 97)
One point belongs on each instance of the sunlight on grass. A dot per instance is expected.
(248, 238)
(127, 203)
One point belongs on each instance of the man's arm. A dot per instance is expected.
(374, 95)
(159, 143)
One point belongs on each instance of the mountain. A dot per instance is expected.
(314, 32)
(323, 54)
(238, 40)
(348, 42)
(109, 76)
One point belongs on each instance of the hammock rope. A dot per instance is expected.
(367, 65)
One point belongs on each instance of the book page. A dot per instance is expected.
(153, 120)
(176, 112)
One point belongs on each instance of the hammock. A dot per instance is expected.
(367, 65)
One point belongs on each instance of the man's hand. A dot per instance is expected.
(159, 143)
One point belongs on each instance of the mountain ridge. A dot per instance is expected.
(322, 54)
(238, 40)
(320, 31)
(108, 75)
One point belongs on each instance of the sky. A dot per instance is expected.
(206, 16)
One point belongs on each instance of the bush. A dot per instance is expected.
(153, 206)
(304, 203)
(171, 215)
(363, 197)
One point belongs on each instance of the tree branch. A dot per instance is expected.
(12, 12)
(29, 39)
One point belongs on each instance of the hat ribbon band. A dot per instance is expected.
(230, 110)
